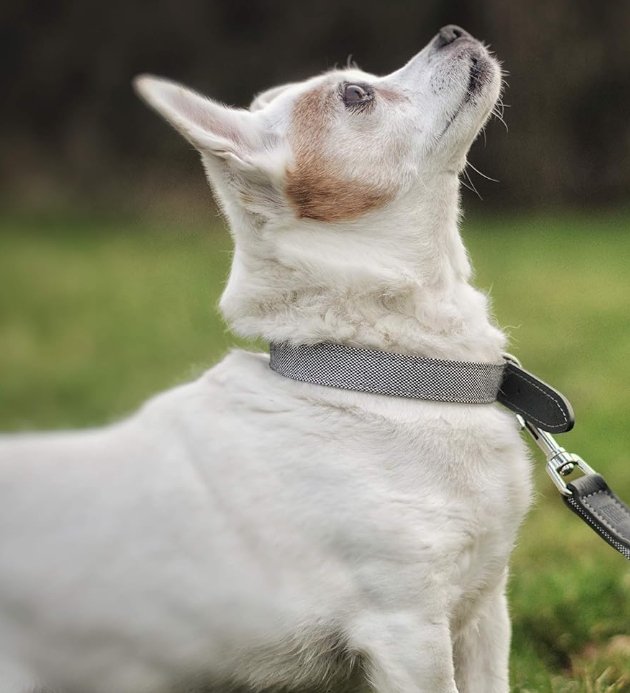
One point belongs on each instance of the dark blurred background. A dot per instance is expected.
(75, 136)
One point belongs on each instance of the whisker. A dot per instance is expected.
(483, 175)
(471, 185)
(497, 112)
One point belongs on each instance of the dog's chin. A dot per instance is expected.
(481, 88)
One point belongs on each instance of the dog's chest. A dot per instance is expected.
(454, 486)
(383, 479)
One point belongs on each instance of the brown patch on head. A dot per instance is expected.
(315, 186)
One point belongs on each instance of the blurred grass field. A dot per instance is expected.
(95, 317)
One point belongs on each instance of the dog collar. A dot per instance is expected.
(418, 377)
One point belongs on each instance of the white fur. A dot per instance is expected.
(250, 529)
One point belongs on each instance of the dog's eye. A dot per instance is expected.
(356, 94)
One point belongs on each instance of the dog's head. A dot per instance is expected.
(346, 150)
(338, 145)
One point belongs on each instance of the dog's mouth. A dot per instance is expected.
(453, 39)
(477, 77)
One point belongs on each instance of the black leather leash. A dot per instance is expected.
(539, 408)
(588, 496)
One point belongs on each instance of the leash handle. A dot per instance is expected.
(588, 496)
(594, 502)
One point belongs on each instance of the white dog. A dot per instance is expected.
(250, 529)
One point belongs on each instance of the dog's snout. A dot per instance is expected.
(448, 34)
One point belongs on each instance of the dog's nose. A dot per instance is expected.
(449, 33)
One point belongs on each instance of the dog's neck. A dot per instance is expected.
(397, 280)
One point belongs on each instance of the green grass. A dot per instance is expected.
(94, 317)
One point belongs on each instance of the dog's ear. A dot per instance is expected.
(227, 133)
(266, 97)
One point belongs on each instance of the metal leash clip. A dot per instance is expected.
(560, 463)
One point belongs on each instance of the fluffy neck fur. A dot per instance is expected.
(396, 279)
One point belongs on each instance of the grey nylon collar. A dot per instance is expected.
(388, 373)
